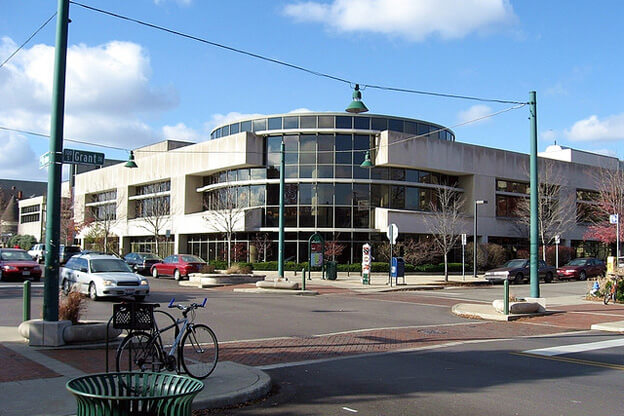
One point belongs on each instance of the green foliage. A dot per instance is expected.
(218, 264)
(24, 242)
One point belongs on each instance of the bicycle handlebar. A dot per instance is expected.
(185, 308)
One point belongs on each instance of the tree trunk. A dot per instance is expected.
(229, 243)
(446, 267)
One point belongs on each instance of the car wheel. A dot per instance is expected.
(519, 278)
(548, 278)
(139, 298)
(582, 275)
(176, 275)
(65, 287)
(1, 274)
(155, 273)
(93, 292)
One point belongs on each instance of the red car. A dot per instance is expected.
(18, 264)
(582, 268)
(178, 266)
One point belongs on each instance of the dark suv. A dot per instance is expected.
(65, 253)
(141, 262)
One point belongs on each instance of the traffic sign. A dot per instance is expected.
(82, 157)
(392, 233)
(613, 218)
(44, 160)
(557, 239)
(463, 239)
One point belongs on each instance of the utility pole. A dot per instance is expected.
(53, 207)
(280, 246)
(534, 270)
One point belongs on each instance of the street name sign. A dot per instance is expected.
(613, 218)
(82, 157)
(44, 160)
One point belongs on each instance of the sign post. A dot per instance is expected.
(615, 219)
(392, 233)
(557, 242)
(366, 263)
(463, 242)
(316, 248)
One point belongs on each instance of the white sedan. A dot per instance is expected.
(99, 275)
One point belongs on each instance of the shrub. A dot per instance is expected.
(218, 264)
(71, 307)
(238, 268)
(208, 268)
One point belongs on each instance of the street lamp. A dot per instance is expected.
(280, 244)
(474, 243)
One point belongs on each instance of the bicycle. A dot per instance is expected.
(195, 348)
(611, 293)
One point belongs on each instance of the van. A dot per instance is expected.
(37, 252)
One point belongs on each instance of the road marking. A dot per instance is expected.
(572, 361)
(20, 286)
(348, 409)
(571, 349)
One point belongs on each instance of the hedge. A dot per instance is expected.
(376, 267)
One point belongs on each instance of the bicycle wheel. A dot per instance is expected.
(199, 351)
(138, 352)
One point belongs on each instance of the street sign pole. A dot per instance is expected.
(463, 242)
(615, 219)
(392, 234)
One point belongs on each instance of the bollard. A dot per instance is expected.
(506, 299)
(26, 301)
(303, 278)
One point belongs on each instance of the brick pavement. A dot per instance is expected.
(16, 367)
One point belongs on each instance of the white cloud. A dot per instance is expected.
(593, 129)
(474, 113)
(300, 110)
(180, 2)
(410, 19)
(220, 119)
(17, 159)
(107, 88)
(549, 135)
(182, 132)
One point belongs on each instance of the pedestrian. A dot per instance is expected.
(595, 289)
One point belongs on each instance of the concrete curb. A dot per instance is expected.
(296, 292)
(487, 312)
(232, 384)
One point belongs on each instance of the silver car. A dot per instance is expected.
(100, 275)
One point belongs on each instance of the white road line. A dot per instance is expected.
(348, 409)
(20, 286)
(570, 349)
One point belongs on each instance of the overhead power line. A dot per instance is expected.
(290, 65)
(27, 40)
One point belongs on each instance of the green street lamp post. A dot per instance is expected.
(535, 290)
(280, 263)
(53, 217)
(475, 243)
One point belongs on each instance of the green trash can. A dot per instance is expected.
(331, 270)
(136, 394)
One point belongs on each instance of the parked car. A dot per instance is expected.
(142, 262)
(66, 252)
(582, 268)
(107, 253)
(178, 266)
(37, 252)
(101, 275)
(18, 264)
(518, 270)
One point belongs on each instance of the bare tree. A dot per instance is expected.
(225, 213)
(609, 200)
(262, 242)
(420, 252)
(155, 213)
(555, 214)
(445, 221)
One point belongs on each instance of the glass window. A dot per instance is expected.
(343, 217)
(411, 175)
(272, 172)
(272, 194)
(380, 173)
(243, 197)
(231, 176)
(397, 197)
(275, 123)
(243, 174)
(360, 173)
(307, 122)
(344, 122)
(234, 128)
(379, 196)
(260, 125)
(427, 198)
(307, 149)
(290, 216)
(412, 198)
(397, 174)
(361, 194)
(307, 171)
(361, 123)
(411, 127)
(343, 171)
(361, 218)
(291, 147)
(305, 217)
(305, 193)
(291, 172)
(290, 193)
(325, 193)
(358, 158)
(271, 219)
(361, 142)
(343, 194)
(379, 123)
(324, 217)
(256, 195)
(344, 145)
(326, 122)
(225, 131)
(257, 173)
(395, 125)
(291, 122)
(423, 129)
(325, 171)
(246, 126)
(325, 148)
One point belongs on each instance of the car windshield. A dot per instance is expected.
(577, 262)
(16, 256)
(515, 263)
(150, 256)
(109, 265)
(191, 259)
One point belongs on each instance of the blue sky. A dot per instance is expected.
(129, 85)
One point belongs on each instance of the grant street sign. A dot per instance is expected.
(82, 157)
